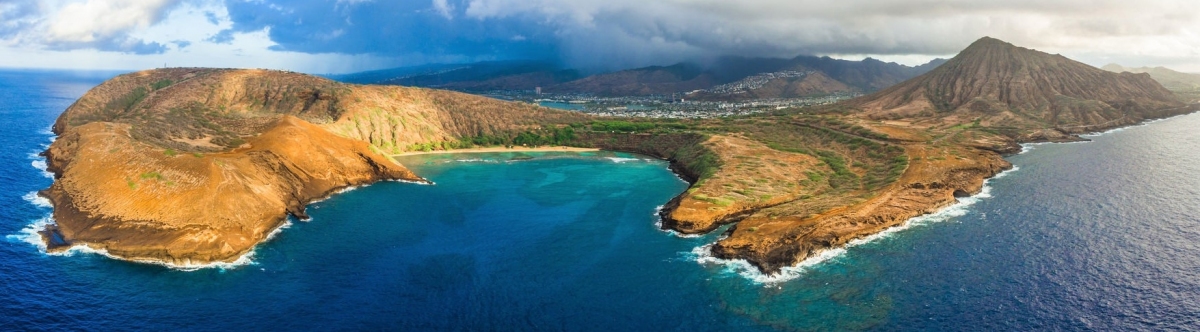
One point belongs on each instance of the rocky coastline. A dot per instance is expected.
(194, 166)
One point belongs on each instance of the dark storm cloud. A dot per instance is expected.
(388, 28)
(613, 34)
(617, 33)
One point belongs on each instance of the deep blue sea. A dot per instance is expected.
(1102, 235)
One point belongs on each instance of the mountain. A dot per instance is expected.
(384, 75)
(836, 76)
(475, 77)
(867, 75)
(1186, 85)
(998, 84)
(953, 124)
(784, 84)
(655, 80)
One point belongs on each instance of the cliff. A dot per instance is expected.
(194, 166)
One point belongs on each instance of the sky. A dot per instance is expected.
(339, 36)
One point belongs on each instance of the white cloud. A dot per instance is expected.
(192, 22)
(444, 8)
(92, 20)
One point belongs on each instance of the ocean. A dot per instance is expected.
(1103, 235)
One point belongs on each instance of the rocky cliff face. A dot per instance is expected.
(194, 166)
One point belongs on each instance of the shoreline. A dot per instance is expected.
(744, 268)
(499, 149)
(751, 272)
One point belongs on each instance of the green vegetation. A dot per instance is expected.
(966, 126)
(151, 175)
(718, 201)
(855, 156)
(127, 101)
(170, 152)
(161, 84)
(622, 126)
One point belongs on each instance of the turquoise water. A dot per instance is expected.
(562, 106)
(1089, 236)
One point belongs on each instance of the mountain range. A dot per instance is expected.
(1186, 85)
(727, 78)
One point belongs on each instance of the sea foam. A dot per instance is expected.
(620, 160)
(37, 200)
(41, 166)
(30, 235)
(703, 254)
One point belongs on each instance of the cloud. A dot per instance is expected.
(223, 37)
(16, 17)
(92, 20)
(885, 27)
(444, 8)
(603, 34)
(212, 18)
(387, 28)
(86, 24)
(610, 34)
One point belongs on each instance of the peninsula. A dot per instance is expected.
(189, 166)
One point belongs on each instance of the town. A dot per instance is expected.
(675, 106)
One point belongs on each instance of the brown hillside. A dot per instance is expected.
(1003, 85)
(191, 166)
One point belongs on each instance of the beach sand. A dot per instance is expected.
(502, 149)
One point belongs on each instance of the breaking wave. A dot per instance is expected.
(30, 235)
(620, 160)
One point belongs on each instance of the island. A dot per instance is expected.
(193, 166)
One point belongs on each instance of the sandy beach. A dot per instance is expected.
(502, 149)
